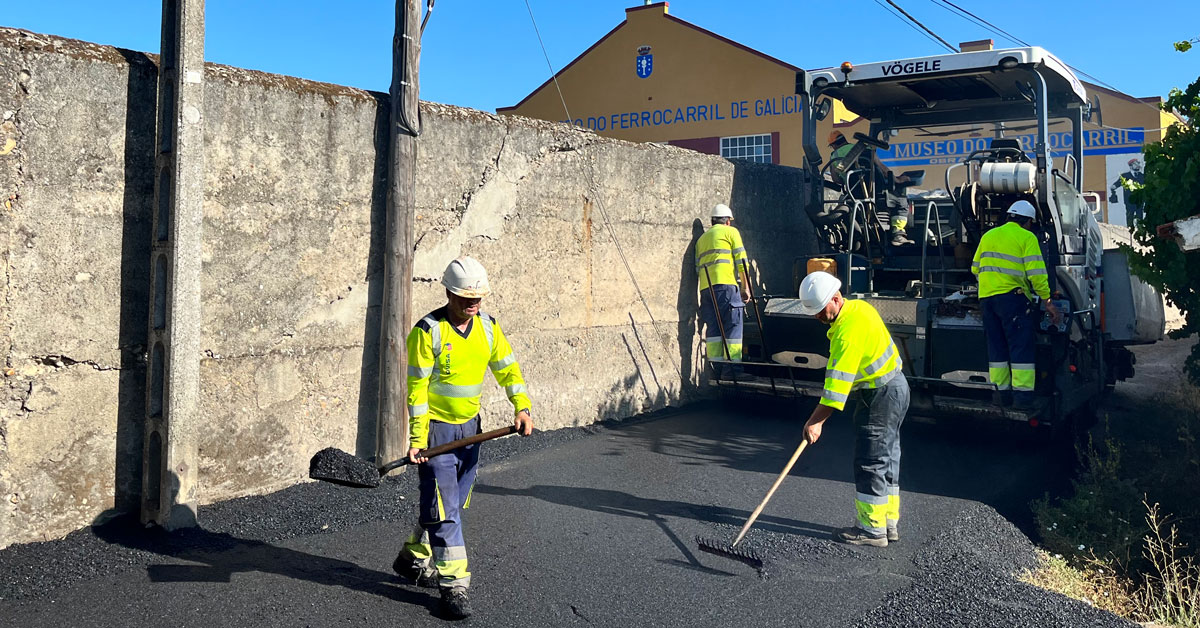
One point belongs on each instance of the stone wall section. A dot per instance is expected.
(294, 215)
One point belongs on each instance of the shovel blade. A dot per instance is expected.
(338, 467)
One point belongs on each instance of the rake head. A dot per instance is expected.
(739, 554)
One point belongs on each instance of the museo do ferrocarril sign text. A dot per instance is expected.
(710, 112)
(954, 150)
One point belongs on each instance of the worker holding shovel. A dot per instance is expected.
(862, 357)
(449, 352)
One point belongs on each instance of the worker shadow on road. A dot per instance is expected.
(217, 557)
(659, 511)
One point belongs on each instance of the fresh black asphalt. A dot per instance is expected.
(594, 527)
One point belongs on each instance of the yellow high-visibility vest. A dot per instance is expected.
(1008, 258)
(861, 354)
(719, 251)
(446, 368)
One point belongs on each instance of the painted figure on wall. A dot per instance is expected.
(1135, 174)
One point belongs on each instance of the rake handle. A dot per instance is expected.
(778, 481)
(448, 447)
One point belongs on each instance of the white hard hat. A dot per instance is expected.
(466, 278)
(721, 210)
(816, 290)
(1022, 208)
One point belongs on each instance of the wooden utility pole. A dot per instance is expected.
(392, 436)
(170, 462)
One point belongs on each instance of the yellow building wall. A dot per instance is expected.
(742, 92)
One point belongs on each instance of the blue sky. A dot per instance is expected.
(484, 53)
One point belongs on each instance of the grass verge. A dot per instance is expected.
(1124, 540)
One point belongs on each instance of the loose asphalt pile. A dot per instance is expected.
(342, 468)
(790, 552)
(967, 577)
(36, 570)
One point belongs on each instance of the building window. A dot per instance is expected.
(752, 147)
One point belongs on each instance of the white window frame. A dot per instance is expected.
(757, 148)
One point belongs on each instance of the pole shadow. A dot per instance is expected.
(368, 387)
(137, 209)
(221, 555)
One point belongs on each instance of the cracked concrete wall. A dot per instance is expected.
(294, 214)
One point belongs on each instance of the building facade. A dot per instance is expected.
(657, 78)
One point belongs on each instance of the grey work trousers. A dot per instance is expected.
(877, 420)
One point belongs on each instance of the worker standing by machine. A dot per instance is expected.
(863, 358)
(449, 351)
(721, 265)
(1011, 272)
(897, 204)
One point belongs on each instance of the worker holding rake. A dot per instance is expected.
(863, 358)
(449, 352)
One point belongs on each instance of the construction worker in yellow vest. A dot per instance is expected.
(720, 265)
(862, 359)
(1011, 271)
(449, 351)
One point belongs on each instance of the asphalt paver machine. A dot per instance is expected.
(925, 290)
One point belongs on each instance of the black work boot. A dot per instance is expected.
(455, 604)
(414, 571)
(900, 238)
(893, 531)
(857, 536)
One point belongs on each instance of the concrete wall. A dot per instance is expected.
(291, 269)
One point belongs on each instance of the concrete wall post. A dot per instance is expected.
(170, 463)
(398, 247)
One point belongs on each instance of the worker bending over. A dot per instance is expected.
(897, 204)
(863, 358)
(449, 350)
(1010, 268)
(720, 264)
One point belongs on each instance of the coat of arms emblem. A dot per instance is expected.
(645, 62)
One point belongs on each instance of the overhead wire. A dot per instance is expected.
(553, 74)
(996, 30)
(987, 24)
(923, 27)
(595, 192)
(906, 22)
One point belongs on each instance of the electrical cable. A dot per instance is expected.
(594, 189)
(553, 74)
(405, 124)
(971, 17)
(428, 12)
(905, 22)
(993, 27)
(925, 28)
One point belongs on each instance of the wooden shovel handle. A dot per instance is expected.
(450, 446)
